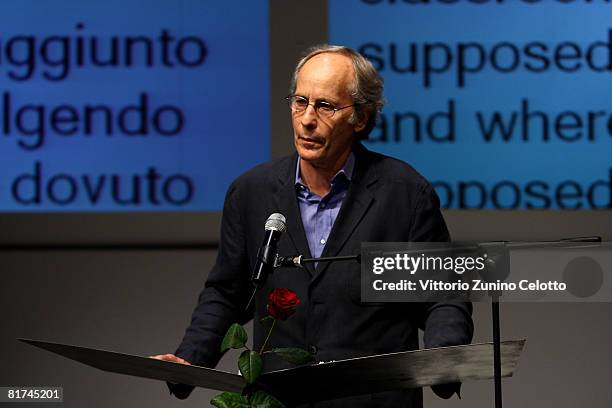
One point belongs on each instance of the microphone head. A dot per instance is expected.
(276, 222)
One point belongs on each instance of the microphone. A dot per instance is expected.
(266, 256)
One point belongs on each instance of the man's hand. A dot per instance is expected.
(170, 357)
(181, 391)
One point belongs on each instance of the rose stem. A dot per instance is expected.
(263, 347)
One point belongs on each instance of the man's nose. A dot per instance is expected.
(309, 117)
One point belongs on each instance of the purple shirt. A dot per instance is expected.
(319, 213)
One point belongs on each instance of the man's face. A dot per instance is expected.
(324, 142)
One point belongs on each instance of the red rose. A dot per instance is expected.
(282, 303)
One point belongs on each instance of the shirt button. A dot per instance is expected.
(323, 242)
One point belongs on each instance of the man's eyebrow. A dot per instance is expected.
(327, 100)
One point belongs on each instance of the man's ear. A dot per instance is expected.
(362, 122)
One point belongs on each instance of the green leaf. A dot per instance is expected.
(236, 337)
(261, 399)
(266, 319)
(294, 355)
(230, 400)
(250, 365)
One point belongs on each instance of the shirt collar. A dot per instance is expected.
(346, 171)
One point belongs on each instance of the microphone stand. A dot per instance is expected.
(297, 261)
(503, 269)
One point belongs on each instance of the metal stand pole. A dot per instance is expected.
(496, 353)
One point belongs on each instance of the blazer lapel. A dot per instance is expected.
(355, 206)
(286, 200)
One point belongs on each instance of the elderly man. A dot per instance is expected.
(335, 195)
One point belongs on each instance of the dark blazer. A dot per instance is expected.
(387, 201)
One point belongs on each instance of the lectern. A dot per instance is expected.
(319, 381)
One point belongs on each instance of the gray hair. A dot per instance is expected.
(366, 89)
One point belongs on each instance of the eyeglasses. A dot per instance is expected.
(299, 104)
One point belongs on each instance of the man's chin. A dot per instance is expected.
(310, 155)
